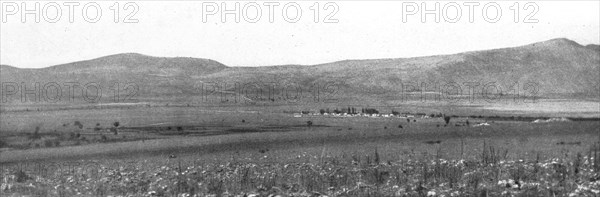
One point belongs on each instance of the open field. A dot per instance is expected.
(216, 151)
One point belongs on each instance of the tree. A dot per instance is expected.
(447, 119)
(370, 111)
(337, 111)
(114, 129)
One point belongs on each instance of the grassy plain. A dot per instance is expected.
(197, 143)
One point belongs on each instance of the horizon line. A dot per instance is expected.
(382, 58)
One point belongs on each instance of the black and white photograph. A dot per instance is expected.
(310, 98)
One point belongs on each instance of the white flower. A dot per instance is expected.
(573, 194)
(502, 182)
(515, 186)
(430, 193)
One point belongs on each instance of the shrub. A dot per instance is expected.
(97, 128)
(78, 124)
(21, 176)
(33, 136)
(48, 143)
(309, 123)
(114, 130)
(36, 134)
(3, 143)
(491, 155)
(447, 119)
(116, 124)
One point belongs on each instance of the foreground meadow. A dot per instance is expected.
(491, 173)
(219, 153)
(421, 159)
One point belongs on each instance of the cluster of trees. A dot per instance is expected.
(369, 111)
(352, 110)
(349, 110)
(436, 115)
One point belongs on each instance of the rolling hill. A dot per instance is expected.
(559, 68)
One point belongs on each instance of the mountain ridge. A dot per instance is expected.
(558, 66)
(555, 41)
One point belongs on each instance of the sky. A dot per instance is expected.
(343, 30)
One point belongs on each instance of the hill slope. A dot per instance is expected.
(558, 67)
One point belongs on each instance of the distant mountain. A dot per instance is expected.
(154, 76)
(559, 67)
(556, 67)
(593, 47)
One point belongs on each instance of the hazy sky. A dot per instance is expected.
(364, 29)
